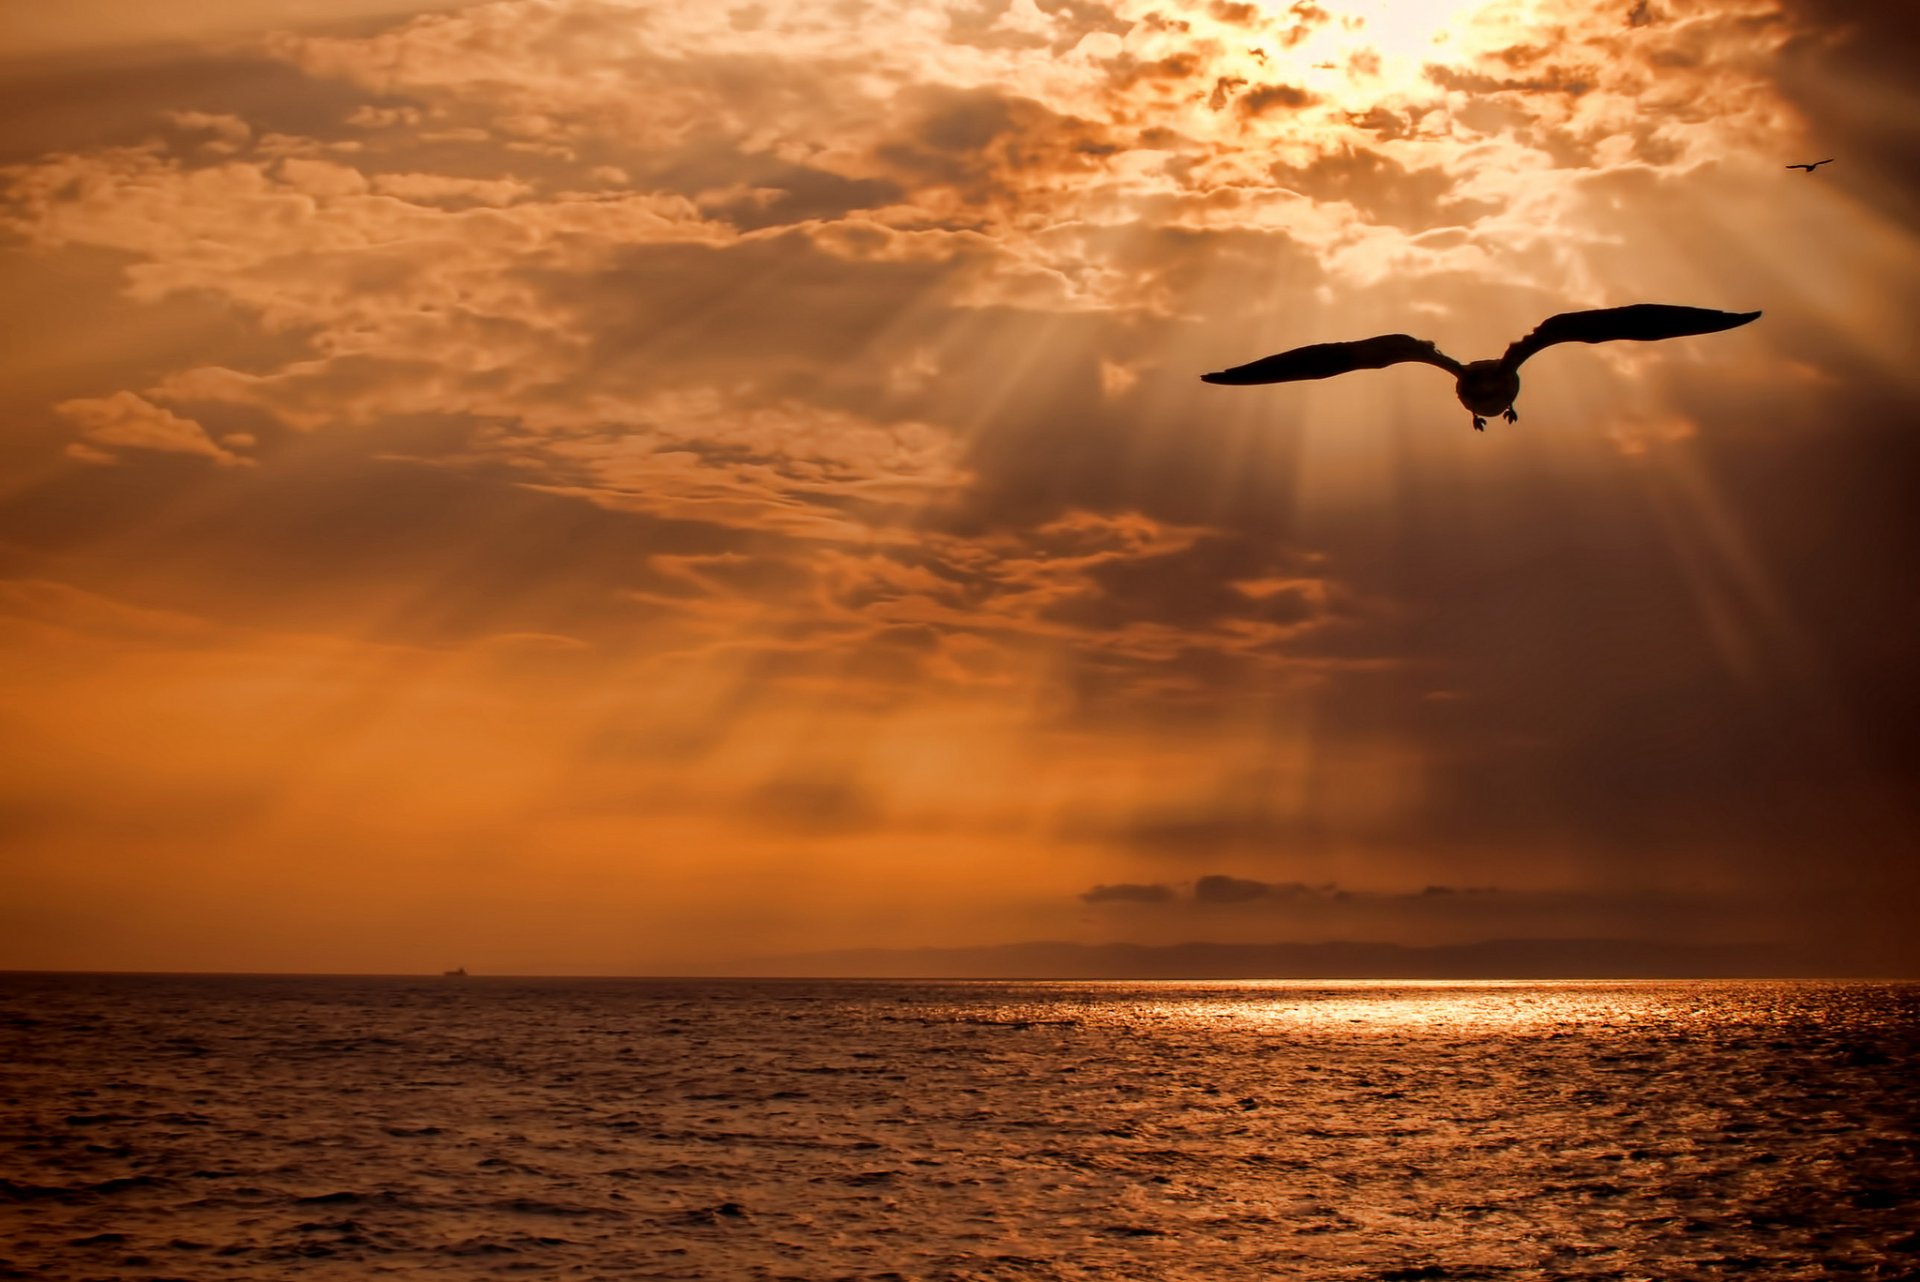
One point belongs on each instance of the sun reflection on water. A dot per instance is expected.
(1417, 1008)
(1402, 1007)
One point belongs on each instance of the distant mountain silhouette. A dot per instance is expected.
(1489, 959)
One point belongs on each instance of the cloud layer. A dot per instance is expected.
(632, 451)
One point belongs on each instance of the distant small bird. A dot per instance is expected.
(1815, 165)
(1484, 387)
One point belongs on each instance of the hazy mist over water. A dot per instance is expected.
(345, 1128)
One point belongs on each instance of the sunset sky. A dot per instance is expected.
(591, 486)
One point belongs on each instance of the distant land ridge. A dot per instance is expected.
(1488, 959)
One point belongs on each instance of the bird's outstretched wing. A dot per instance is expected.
(1324, 360)
(1642, 322)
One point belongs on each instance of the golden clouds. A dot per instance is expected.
(776, 467)
(688, 446)
(131, 422)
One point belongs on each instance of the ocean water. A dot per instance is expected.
(210, 1128)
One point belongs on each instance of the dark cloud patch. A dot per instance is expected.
(1227, 890)
(1218, 888)
(1520, 57)
(1223, 889)
(1239, 15)
(1128, 893)
(1224, 88)
(1552, 79)
(986, 143)
(1237, 274)
(1127, 72)
(1385, 123)
(789, 194)
(1384, 190)
(84, 103)
(1264, 99)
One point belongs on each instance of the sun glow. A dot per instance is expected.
(726, 505)
(1406, 28)
(1386, 45)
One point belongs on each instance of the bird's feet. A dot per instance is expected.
(1510, 416)
(1479, 424)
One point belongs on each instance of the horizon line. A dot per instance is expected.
(708, 977)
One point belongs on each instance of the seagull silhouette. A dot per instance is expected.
(1484, 387)
(1815, 165)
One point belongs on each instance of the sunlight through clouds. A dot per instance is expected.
(678, 443)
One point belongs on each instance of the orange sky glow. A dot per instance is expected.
(590, 486)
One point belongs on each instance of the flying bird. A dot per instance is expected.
(1484, 387)
(1815, 165)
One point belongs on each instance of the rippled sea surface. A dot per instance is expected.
(209, 1128)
